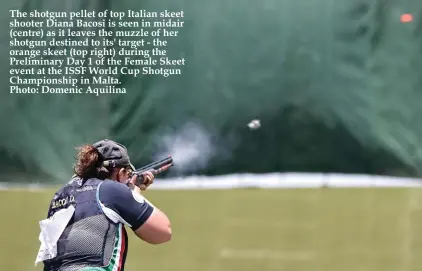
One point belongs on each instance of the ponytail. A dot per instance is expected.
(90, 164)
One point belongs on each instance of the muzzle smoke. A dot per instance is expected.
(190, 146)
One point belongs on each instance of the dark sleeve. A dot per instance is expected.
(128, 204)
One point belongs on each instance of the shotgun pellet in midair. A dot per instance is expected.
(254, 124)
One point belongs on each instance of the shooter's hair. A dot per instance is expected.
(89, 164)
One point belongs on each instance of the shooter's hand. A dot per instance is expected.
(147, 180)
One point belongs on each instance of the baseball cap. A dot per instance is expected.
(114, 154)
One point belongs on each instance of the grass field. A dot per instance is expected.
(250, 230)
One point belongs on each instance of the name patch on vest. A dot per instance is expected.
(62, 202)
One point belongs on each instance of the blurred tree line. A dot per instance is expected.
(335, 84)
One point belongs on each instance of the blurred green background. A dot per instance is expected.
(336, 85)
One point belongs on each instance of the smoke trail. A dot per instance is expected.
(190, 146)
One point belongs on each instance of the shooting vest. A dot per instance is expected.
(90, 241)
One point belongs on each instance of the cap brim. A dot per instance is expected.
(132, 167)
